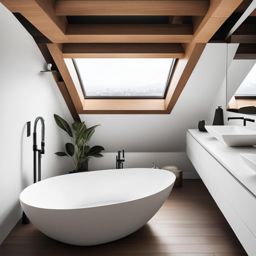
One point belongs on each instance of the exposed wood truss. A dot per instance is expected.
(245, 34)
(241, 28)
(246, 51)
(131, 7)
(123, 50)
(129, 33)
(122, 28)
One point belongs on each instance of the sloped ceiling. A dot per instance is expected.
(166, 133)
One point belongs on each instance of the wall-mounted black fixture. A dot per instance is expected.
(242, 118)
(120, 161)
(25, 219)
(28, 129)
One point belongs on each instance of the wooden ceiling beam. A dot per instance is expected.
(243, 39)
(217, 14)
(41, 14)
(251, 7)
(131, 7)
(123, 51)
(246, 51)
(181, 74)
(245, 34)
(133, 33)
(56, 53)
(253, 14)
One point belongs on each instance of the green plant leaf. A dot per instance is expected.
(70, 149)
(80, 134)
(95, 150)
(77, 126)
(86, 149)
(61, 154)
(98, 155)
(90, 131)
(63, 124)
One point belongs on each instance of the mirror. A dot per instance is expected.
(240, 79)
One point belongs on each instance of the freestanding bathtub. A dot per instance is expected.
(96, 207)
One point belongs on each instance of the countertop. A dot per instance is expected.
(229, 158)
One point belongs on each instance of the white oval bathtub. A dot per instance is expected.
(96, 207)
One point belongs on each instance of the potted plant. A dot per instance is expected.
(78, 148)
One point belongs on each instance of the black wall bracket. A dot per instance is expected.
(28, 129)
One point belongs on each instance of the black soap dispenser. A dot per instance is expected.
(218, 117)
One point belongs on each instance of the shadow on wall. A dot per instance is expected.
(10, 215)
(23, 171)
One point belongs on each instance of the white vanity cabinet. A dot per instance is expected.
(229, 180)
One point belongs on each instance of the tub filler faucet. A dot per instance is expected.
(120, 160)
(38, 152)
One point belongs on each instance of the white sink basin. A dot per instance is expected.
(250, 159)
(233, 136)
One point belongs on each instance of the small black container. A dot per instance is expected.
(218, 117)
(201, 126)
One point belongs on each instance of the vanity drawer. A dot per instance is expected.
(236, 203)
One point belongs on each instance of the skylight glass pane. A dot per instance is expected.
(248, 86)
(127, 77)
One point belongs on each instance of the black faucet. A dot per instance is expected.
(119, 160)
(242, 118)
(36, 150)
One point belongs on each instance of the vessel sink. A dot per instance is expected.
(233, 136)
(250, 159)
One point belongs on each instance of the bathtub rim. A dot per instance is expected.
(102, 205)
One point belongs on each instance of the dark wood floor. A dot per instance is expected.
(189, 224)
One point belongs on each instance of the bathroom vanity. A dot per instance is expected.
(230, 181)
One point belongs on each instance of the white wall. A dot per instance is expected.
(24, 95)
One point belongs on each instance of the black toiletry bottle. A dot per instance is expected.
(201, 126)
(218, 117)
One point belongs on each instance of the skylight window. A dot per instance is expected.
(248, 86)
(125, 77)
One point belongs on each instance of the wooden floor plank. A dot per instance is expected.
(189, 224)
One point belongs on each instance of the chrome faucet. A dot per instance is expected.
(37, 153)
(120, 161)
